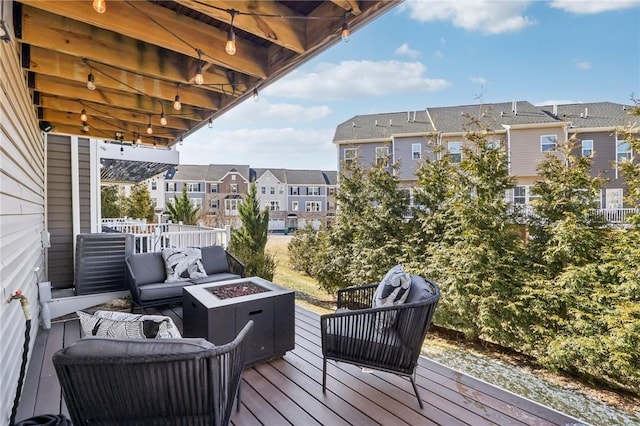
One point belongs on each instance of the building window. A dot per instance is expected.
(214, 188)
(416, 151)
(171, 187)
(154, 201)
(197, 202)
(233, 177)
(587, 148)
(234, 188)
(213, 204)
(281, 190)
(294, 205)
(623, 151)
(294, 190)
(154, 185)
(382, 156)
(349, 155)
(273, 205)
(272, 190)
(548, 143)
(331, 190)
(193, 187)
(312, 206)
(520, 195)
(493, 144)
(231, 206)
(313, 190)
(263, 190)
(454, 149)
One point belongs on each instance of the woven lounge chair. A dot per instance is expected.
(354, 334)
(151, 381)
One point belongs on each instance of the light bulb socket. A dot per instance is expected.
(255, 95)
(210, 124)
(83, 115)
(91, 82)
(176, 104)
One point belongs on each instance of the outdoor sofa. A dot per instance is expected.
(147, 276)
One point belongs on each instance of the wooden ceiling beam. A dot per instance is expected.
(157, 25)
(73, 90)
(75, 106)
(55, 64)
(109, 135)
(352, 6)
(279, 25)
(58, 34)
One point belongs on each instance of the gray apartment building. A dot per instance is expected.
(526, 131)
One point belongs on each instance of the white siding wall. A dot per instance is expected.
(21, 218)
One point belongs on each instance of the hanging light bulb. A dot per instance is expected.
(255, 95)
(210, 125)
(138, 138)
(121, 150)
(199, 77)
(163, 119)
(149, 128)
(230, 47)
(91, 82)
(176, 104)
(100, 6)
(85, 126)
(83, 115)
(345, 33)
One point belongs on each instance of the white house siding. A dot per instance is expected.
(22, 212)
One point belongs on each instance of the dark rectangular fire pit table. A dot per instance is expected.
(218, 311)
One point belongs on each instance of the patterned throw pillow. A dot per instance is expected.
(183, 264)
(123, 325)
(392, 290)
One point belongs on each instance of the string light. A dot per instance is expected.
(91, 81)
(210, 125)
(149, 128)
(100, 6)
(176, 104)
(255, 95)
(85, 126)
(138, 138)
(230, 47)
(199, 76)
(83, 115)
(345, 30)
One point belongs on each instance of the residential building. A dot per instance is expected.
(527, 132)
(271, 185)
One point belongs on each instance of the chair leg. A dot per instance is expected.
(238, 394)
(324, 374)
(415, 389)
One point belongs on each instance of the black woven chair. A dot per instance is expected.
(151, 381)
(353, 334)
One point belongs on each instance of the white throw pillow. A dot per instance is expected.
(392, 290)
(124, 325)
(183, 264)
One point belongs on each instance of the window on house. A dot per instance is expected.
(154, 185)
(171, 187)
(493, 144)
(520, 195)
(154, 201)
(382, 156)
(313, 190)
(273, 205)
(233, 177)
(349, 155)
(281, 190)
(231, 206)
(416, 151)
(213, 204)
(193, 187)
(312, 206)
(454, 148)
(587, 148)
(294, 190)
(234, 188)
(197, 202)
(548, 143)
(263, 190)
(623, 151)
(331, 190)
(214, 187)
(294, 205)
(272, 190)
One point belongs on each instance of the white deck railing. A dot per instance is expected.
(153, 237)
(612, 216)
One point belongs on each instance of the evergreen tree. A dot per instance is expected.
(110, 202)
(139, 204)
(182, 209)
(248, 243)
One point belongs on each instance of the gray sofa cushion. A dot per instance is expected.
(148, 268)
(162, 290)
(214, 259)
(110, 347)
(216, 277)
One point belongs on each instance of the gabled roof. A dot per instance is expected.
(595, 114)
(305, 177)
(382, 126)
(216, 172)
(187, 172)
(280, 174)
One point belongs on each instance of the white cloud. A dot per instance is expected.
(583, 65)
(357, 79)
(282, 147)
(487, 16)
(264, 111)
(404, 49)
(478, 80)
(590, 7)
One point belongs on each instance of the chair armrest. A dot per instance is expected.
(354, 298)
(235, 265)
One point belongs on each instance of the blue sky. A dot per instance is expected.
(427, 53)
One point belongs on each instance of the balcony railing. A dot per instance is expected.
(153, 237)
(612, 216)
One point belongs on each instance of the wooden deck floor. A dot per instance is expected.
(289, 390)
